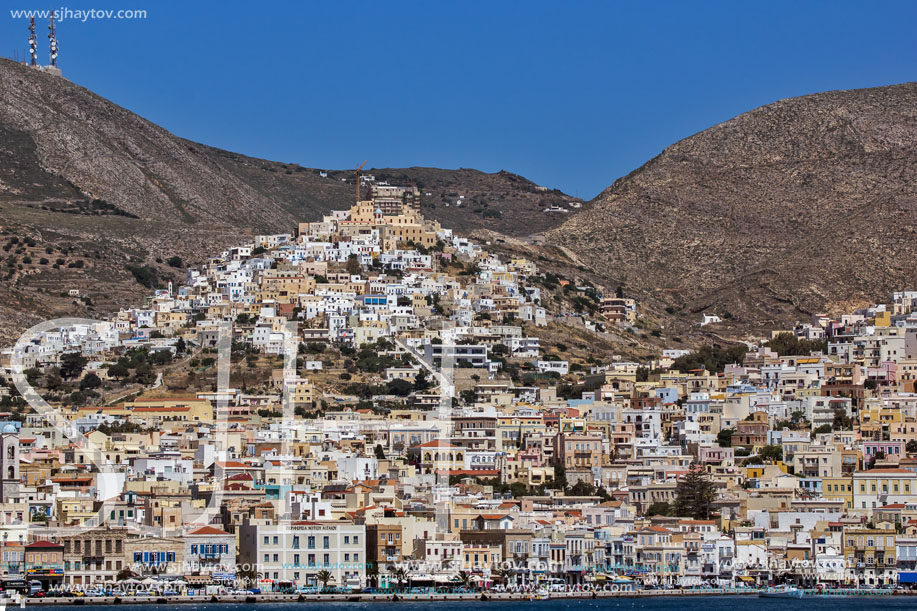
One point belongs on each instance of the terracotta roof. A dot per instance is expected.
(209, 530)
(437, 443)
(44, 545)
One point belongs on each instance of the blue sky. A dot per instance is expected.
(570, 94)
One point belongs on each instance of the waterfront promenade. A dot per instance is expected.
(272, 597)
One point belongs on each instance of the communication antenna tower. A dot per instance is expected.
(52, 36)
(33, 42)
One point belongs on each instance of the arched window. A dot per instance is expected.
(11, 452)
(12, 472)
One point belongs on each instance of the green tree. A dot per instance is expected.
(787, 344)
(560, 475)
(353, 265)
(463, 578)
(380, 452)
(71, 364)
(502, 575)
(842, 422)
(90, 381)
(399, 574)
(659, 508)
(144, 374)
(53, 381)
(712, 358)
(325, 577)
(694, 494)
(144, 274)
(372, 574)
(581, 488)
(772, 453)
(32, 375)
(421, 382)
(724, 438)
(119, 371)
(401, 388)
(880, 455)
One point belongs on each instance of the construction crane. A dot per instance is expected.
(359, 169)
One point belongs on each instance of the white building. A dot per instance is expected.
(296, 551)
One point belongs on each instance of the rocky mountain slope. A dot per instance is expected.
(97, 190)
(803, 205)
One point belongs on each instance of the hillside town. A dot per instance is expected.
(366, 404)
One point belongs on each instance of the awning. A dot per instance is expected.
(746, 578)
(907, 577)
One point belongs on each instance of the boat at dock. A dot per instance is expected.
(782, 592)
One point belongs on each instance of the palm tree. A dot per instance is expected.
(463, 578)
(372, 575)
(324, 576)
(502, 575)
(520, 566)
(398, 574)
(250, 576)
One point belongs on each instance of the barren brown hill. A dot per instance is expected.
(803, 205)
(89, 189)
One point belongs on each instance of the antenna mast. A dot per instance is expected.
(33, 42)
(52, 36)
